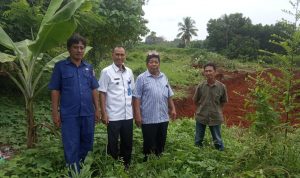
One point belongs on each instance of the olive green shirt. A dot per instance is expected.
(209, 101)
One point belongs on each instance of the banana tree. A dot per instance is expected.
(57, 25)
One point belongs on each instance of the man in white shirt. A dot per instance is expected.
(116, 85)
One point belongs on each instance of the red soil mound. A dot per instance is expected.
(237, 87)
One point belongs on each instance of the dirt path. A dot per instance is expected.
(237, 87)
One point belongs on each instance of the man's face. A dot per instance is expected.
(76, 51)
(119, 56)
(153, 65)
(209, 72)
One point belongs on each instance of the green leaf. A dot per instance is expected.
(60, 57)
(87, 6)
(51, 63)
(57, 29)
(6, 57)
(6, 41)
(23, 47)
(52, 8)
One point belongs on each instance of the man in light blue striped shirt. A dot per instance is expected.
(152, 98)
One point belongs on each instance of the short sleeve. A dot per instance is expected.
(132, 80)
(197, 94)
(95, 83)
(138, 90)
(170, 92)
(55, 81)
(103, 81)
(224, 97)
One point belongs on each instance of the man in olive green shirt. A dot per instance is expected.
(209, 98)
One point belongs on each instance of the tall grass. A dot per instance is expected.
(245, 155)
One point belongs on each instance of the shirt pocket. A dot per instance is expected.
(165, 89)
(217, 97)
(147, 85)
(68, 79)
(87, 76)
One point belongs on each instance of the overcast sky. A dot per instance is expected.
(164, 15)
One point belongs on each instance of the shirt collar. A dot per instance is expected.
(148, 74)
(68, 61)
(116, 68)
(205, 82)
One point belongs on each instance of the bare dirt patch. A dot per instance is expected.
(237, 87)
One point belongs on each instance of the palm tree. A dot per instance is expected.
(187, 30)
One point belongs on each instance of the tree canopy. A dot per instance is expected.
(105, 23)
(236, 37)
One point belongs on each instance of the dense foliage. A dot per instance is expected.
(153, 39)
(105, 23)
(236, 37)
(246, 155)
(22, 60)
(112, 22)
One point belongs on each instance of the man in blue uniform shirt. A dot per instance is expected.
(74, 91)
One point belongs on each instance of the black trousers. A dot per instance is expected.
(154, 136)
(122, 129)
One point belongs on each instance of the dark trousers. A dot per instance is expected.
(77, 138)
(154, 136)
(122, 129)
(215, 133)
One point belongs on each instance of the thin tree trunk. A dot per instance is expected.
(31, 129)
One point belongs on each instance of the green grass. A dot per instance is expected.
(245, 156)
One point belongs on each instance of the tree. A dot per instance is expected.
(273, 103)
(243, 47)
(263, 33)
(113, 22)
(187, 30)
(221, 31)
(153, 39)
(23, 57)
(232, 34)
(105, 23)
(19, 17)
(288, 84)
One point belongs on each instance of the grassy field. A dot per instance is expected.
(246, 154)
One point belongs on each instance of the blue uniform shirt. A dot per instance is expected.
(75, 85)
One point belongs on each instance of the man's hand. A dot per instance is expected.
(104, 119)
(97, 116)
(138, 121)
(55, 95)
(173, 114)
(56, 119)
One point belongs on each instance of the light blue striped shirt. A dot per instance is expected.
(153, 93)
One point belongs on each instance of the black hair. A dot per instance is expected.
(210, 64)
(152, 54)
(75, 39)
(118, 46)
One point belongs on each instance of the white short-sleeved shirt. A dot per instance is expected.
(118, 86)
